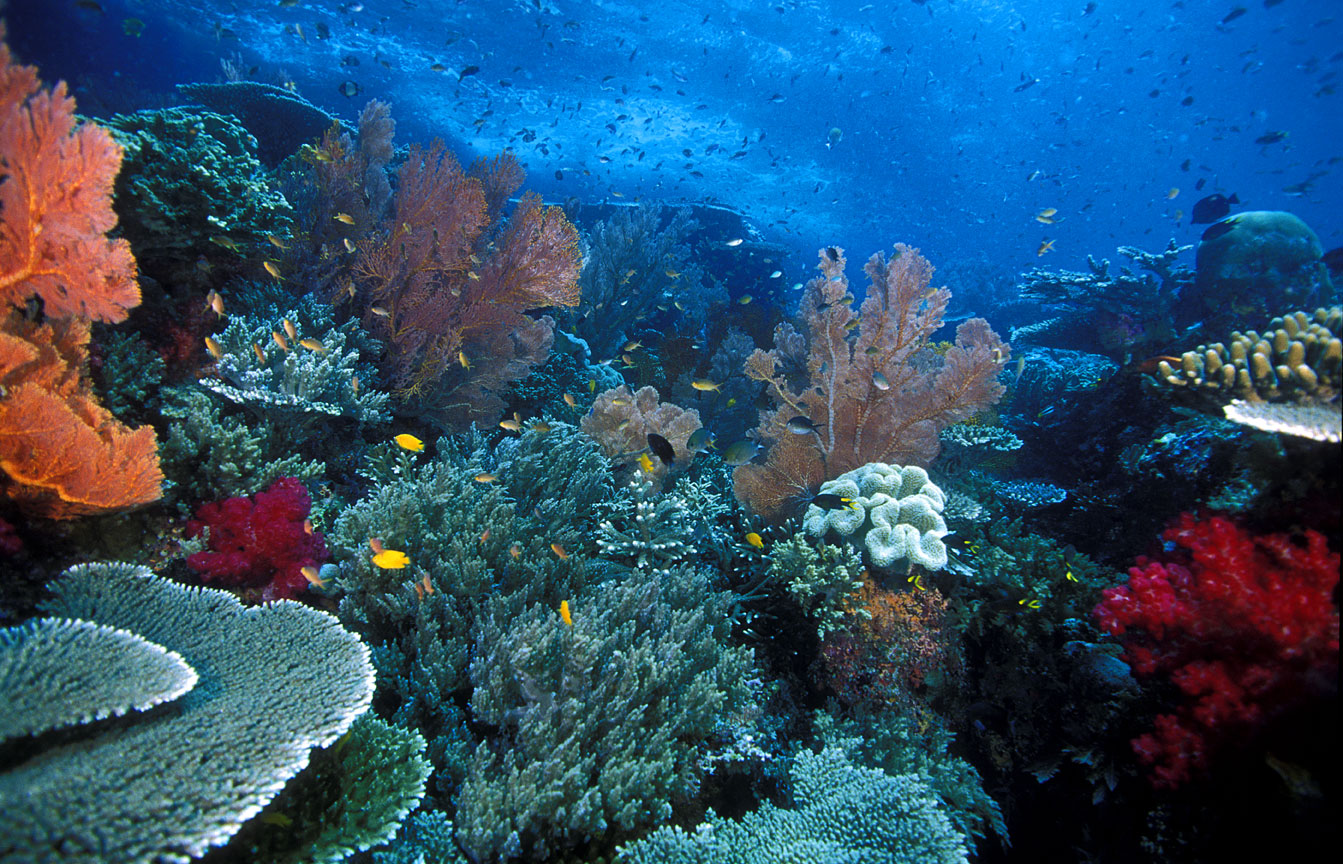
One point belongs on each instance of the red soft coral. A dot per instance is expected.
(1241, 623)
(259, 544)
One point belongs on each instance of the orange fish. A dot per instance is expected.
(313, 576)
(565, 615)
(213, 347)
(559, 551)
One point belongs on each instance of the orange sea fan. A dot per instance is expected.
(56, 204)
(62, 454)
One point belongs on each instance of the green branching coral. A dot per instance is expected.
(841, 813)
(128, 376)
(603, 721)
(351, 797)
(897, 744)
(425, 838)
(820, 577)
(276, 681)
(555, 473)
(897, 517)
(652, 530)
(190, 187)
(210, 454)
(318, 374)
(57, 672)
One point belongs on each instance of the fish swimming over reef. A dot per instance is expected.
(1212, 208)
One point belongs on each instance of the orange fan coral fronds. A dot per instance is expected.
(62, 454)
(56, 204)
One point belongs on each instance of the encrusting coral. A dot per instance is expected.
(874, 391)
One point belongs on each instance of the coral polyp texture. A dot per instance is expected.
(896, 515)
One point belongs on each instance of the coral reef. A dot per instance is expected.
(653, 529)
(448, 284)
(620, 422)
(822, 579)
(1123, 315)
(57, 672)
(352, 796)
(259, 544)
(896, 516)
(840, 813)
(1244, 625)
(191, 190)
(281, 120)
(873, 391)
(275, 682)
(1256, 262)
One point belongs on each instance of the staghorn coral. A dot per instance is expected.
(621, 420)
(209, 454)
(57, 672)
(128, 374)
(298, 385)
(1297, 362)
(653, 529)
(62, 454)
(276, 681)
(426, 836)
(860, 418)
(452, 284)
(351, 797)
(840, 812)
(821, 578)
(602, 723)
(897, 517)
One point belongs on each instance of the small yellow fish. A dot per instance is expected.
(473, 275)
(313, 345)
(462, 359)
(276, 242)
(406, 441)
(670, 273)
(290, 330)
(917, 579)
(620, 402)
(755, 540)
(704, 384)
(279, 340)
(391, 559)
(744, 299)
(1030, 603)
(515, 550)
(540, 427)
(1047, 213)
(645, 463)
(213, 347)
(272, 268)
(485, 477)
(227, 242)
(354, 384)
(570, 400)
(1070, 576)
(215, 302)
(312, 574)
(1047, 220)
(633, 346)
(279, 820)
(565, 615)
(260, 355)
(349, 245)
(592, 385)
(559, 551)
(346, 218)
(511, 425)
(1045, 246)
(1174, 190)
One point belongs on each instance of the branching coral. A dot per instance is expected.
(873, 391)
(824, 580)
(653, 529)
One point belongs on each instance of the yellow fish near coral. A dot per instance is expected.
(755, 540)
(565, 615)
(391, 559)
(645, 463)
(406, 441)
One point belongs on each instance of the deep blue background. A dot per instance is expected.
(938, 146)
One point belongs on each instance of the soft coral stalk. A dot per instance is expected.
(1241, 623)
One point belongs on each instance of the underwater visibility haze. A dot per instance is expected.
(594, 431)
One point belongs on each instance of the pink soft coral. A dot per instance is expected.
(1242, 624)
(259, 544)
